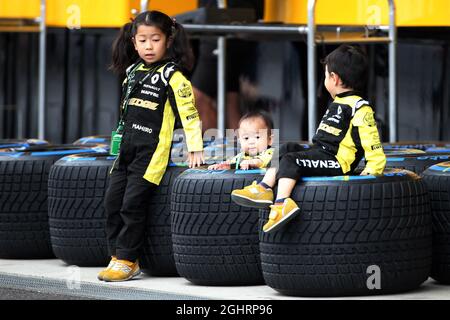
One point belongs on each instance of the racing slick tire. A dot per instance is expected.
(415, 162)
(20, 143)
(437, 180)
(421, 145)
(24, 230)
(357, 235)
(215, 241)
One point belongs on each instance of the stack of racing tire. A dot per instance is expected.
(24, 170)
(433, 166)
(356, 235)
(215, 241)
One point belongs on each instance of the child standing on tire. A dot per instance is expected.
(255, 137)
(153, 51)
(347, 133)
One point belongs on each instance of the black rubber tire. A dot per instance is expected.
(438, 150)
(77, 215)
(215, 241)
(416, 163)
(421, 145)
(403, 151)
(100, 139)
(24, 230)
(76, 190)
(157, 258)
(343, 228)
(20, 143)
(438, 184)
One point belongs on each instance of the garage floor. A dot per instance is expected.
(55, 277)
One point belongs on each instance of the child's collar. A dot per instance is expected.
(258, 154)
(348, 94)
(155, 64)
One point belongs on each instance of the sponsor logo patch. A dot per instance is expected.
(141, 128)
(377, 147)
(322, 164)
(150, 93)
(192, 116)
(331, 130)
(184, 91)
(143, 103)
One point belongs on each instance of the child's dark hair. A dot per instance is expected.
(124, 53)
(350, 63)
(259, 114)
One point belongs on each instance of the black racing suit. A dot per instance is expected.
(347, 133)
(156, 95)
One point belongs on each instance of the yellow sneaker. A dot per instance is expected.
(254, 196)
(122, 270)
(110, 265)
(280, 214)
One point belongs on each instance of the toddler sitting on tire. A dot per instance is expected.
(255, 137)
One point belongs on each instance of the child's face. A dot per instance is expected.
(254, 136)
(150, 43)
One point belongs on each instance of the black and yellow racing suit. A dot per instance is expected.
(347, 133)
(154, 97)
(153, 106)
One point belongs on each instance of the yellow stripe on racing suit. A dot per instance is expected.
(181, 99)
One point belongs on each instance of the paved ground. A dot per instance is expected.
(56, 280)
(18, 294)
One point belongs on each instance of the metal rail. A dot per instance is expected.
(309, 30)
(221, 78)
(144, 5)
(312, 70)
(228, 30)
(42, 74)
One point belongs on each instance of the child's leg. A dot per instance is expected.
(285, 187)
(271, 174)
(134, 215)
(132, 234)
(261, 195)
(293, 166)
(113, 204)
(285, 208)
(270, 177)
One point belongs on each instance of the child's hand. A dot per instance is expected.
(196, 159)
(364, 173)
(250, 164)
(220, 166)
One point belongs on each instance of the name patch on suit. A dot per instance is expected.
(143, 103)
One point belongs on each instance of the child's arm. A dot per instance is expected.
(226, 165)
(251, 164)
(182, 99)
(220, 166)
(261, 161)
(196, 159)
(370, 141)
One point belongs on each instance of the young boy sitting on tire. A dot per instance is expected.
(347, 133)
